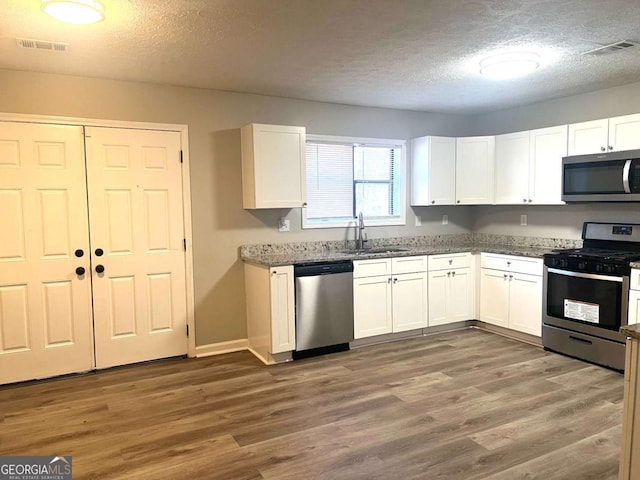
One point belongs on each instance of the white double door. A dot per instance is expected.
(92, 264)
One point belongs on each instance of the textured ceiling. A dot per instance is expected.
(409, 54)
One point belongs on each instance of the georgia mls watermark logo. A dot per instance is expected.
(35, 468)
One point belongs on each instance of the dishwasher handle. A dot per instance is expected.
(322, 268)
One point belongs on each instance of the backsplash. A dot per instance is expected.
(421, 241)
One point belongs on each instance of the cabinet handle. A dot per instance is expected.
(433, 201)
(530, 200)
(273, 273)
(395, 280)
(610, 147)
(448, 274)
(508, 263)
(304, 205)
(505, 276)
(453, 274)
(510, 277)
(99, 268)
(450, 261)
(524, 200)
(80, 271)
(603, 149)
(457, 201)
(389, 280)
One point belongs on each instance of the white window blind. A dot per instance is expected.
(345, 178)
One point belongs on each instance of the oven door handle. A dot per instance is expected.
(625, 176)
(591, 276)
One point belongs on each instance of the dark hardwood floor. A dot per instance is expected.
(462, 405)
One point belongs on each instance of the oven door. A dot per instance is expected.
(585, 302)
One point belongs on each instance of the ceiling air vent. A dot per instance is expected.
(614, 47)
(42, 45)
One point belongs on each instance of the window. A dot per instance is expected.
(346, 176)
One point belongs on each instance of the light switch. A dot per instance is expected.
(445, 219)
(523, 220)
(418, 221)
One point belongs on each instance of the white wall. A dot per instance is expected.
(220, 225)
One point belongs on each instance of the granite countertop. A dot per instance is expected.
(291, 254)
(632, 331)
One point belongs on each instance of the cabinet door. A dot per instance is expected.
(634, 307)
(547, 147)
(588, 137)
(438, 300)
(525, 303)
(409, 296)
(475, 162)
(372, 306)
(283, 333)
(512, 168)
(460, 295)
(273, 166)
(624, 133)
(494, 297)
(433, 171)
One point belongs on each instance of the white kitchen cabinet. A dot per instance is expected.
(475, 166)
(605, 135)
(393, 301)
(273, 166)
(270, 310)
(512, 168)
(634, 297)
(372, 306)
(494, 297)
(529, 166)
(511, 292)
(450, 288)
(634, 307)
(547, 147)
(433, 171)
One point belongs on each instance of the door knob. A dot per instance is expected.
(99, 252)
(79, 252)
(80, 271)
(99, 268)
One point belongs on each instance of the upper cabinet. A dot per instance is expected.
(547, 146)
(433, 171)
(529, 166)
(613, 134)
(475, 162)
(273, 166)
(512, 168)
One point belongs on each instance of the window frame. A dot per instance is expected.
(402, 172)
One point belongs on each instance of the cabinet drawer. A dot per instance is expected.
(635, 279)
(409, 264)
(449, 261)
(371, 268)
(528, 265)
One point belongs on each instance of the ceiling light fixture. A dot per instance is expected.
(509, 65)
(74, 11)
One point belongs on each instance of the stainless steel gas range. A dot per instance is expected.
(586, 294)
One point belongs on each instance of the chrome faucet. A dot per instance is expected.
(361, 237)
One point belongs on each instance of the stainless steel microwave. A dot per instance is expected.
(602, 177)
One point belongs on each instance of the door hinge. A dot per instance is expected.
(184, 244)
(187, 330)
(181, 158)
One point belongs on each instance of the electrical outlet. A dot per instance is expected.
(418, 221)
(284, 225)
(523, 220)
(445, 219)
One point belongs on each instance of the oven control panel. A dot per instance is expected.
(576, 264)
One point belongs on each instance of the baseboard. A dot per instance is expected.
(222, 347)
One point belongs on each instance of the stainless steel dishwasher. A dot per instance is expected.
(324, 307)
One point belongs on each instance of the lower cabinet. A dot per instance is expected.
(634, 298)
(451, 287)
(389, 302)
(270, 310)
(510, 298)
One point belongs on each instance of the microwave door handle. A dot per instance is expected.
(625, 176)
